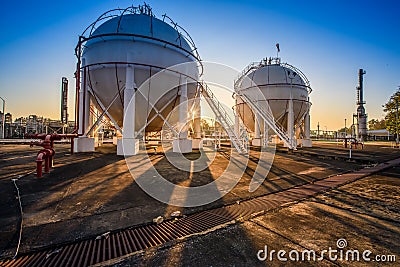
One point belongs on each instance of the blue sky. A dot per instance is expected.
(328, 40)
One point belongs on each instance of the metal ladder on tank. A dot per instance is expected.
(267, 116)
(239, 143)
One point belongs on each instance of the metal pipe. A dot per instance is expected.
(83, 107)
(39, 161)
(77, 87)
(46, 164)
(39, 173)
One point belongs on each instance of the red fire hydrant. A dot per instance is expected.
(46, 155)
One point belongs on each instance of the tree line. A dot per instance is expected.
(392, 117)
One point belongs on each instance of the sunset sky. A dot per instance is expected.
(328, 40)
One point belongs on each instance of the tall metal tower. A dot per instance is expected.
(361, 115)
(64, 100)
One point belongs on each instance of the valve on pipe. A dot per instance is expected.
(46, 155)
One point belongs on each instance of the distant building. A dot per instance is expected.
(7, 125)
(1, 124)
(315, 134)
(380, 135)
(8, 118)
(33, 124)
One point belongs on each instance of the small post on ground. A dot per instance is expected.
(350, 152)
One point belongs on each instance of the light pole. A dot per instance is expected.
(4, 117)
(345, 128)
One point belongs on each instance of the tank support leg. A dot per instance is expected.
(290, 121)
(129, 145)
(84, 143)
(196, 142)
(183, 144)
(257, 129)
(306, 142)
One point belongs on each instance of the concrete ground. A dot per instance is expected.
(365, 213)
(92, 193)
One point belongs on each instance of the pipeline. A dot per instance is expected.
(46, 155)
(78, 51)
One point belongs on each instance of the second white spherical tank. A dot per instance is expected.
(274, 85)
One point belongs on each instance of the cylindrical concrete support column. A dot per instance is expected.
(306, 141)
(196, 121)
(87, 122)
(129, 145)
(197, 141)
(257, 128)
(183, 110)
(307, 125)
(129, 103)
(290, 121)
(183, 144)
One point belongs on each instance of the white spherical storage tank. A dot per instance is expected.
(275, 85)
(119, 52)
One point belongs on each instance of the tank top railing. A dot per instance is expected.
(224, 118)
(243, 74)
(255, 65)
